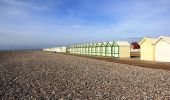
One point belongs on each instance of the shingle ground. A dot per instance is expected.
(44, 75)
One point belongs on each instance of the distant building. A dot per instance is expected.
(135, 49)
(135, 45)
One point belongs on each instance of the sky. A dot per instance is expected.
(34, 24)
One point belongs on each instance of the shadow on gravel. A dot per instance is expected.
(129, 61)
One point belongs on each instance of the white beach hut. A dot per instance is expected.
(162, 49)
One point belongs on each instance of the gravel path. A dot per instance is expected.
(43, 75)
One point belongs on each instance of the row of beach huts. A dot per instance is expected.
(56, 49)
(150, 49)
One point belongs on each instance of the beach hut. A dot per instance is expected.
(51, 49)
(86, 49)
(80, 48)
(103, 48)
(90, 49)
(147, 49)
(110, 48)
(77, 49)
(121, 49)
(83, 49)
(98, 49)
(74, 49)
(44, 49)
(94, 49)
(63, 49)
(162, 49)
(70, 48)
(56, 49)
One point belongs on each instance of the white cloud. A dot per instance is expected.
(19, 25)
(19, 3)
(19, 9)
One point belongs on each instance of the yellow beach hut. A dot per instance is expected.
(147, 49)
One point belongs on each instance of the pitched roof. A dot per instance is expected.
(167, 39)
(99, 43)
(152, 40)
(123, 43)
(111, 42)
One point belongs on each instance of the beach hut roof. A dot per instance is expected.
(167, 39)
(99, 43)
(95, 44)
(152, 40)
(111, 43)
(122, 43)
(104, 43)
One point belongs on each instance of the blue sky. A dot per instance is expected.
(45, 23)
